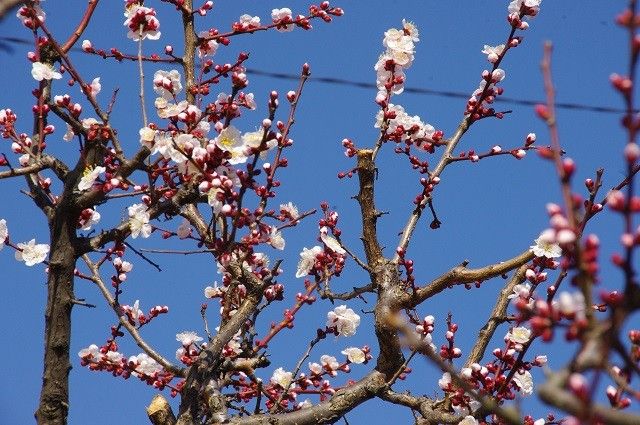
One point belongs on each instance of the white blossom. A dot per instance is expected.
(315, 368)
(281, 377)
(546, 246)
(230, 140)
(275, 238)
(91, 353)
(142, 23)
(411, 30)
(167, 83)
(291, 209)
(445, 381)
(524, 381)
(92, 220)
(249, 21)
(114, 356)
(278, 15)
(519, 335)
(493, 52)
(331, 242)
(41, 71)
(147, 136)
(514, 6)
(329, 362)
(187, 338)
(354, 354)
(95, 86)
(208, 47)
(468, 420)
(139, 221)
(89, 177)
(32, 253)
(4, 232)
(307, 260)
(344, 319)
(145, 365)
(571, 303)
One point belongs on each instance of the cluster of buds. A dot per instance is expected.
(74, 109)
(449, 351)
(7, 121)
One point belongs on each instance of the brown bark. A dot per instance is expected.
(54, 396)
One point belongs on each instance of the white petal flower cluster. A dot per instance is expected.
(519, 335)
(398, 56)
(344, 319)
(89, 218)
(275, 238)
(515, 5)
(142, 23)
(546, 245)
(493, 53)
(524, 381)
(32, 253)
(167, 83)
(290, 209)
(406, 121)
(354, 355)
(187, 338)
(571, 304)
(281, 377)
(248, 22)
(496, 76)
(145, 365)
(331, 242)
(42, 71)
(139, 220)
(95, 86)
(280, 15)
(207, 47)
(89, 177)
(307, 260)
(4, 232)
(230, 140)
(91, 353)
(468, 420)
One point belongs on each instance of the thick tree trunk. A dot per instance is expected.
(54, 396)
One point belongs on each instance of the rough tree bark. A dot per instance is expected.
(54, 397)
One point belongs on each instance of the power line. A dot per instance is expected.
(440, 93)
(5, 45)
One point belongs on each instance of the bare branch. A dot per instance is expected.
(495, 318)
(140, 342)
(460, 275)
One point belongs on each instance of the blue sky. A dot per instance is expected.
(491, 210)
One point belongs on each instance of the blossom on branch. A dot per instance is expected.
(344, 320)
(89, 177)
(42, 71)
(355, 355)
(524, 382)
(307, 260)
(282, 378)
(546, 246)
(4, 232)
(282, 17)
(32, 253)
(142, 23)
(139, 221)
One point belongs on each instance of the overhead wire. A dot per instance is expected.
(364, 85)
